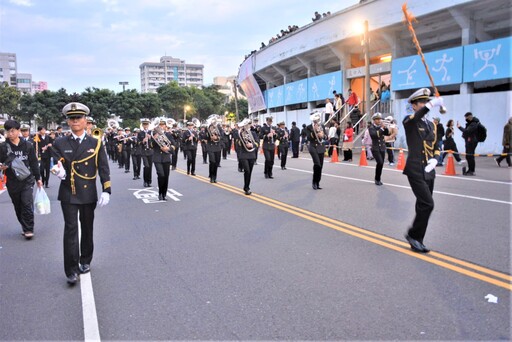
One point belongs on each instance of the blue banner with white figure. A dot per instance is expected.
(296, 92)
(488, 60)
(445, 66)
(321, 87)
(275, 97)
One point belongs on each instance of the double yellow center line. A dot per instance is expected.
(463, 267)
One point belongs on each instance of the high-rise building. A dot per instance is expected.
(38, 87)
(24, 83)
(154, 75)
(8, 68)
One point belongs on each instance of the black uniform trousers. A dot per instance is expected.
(205, 153)
(379, 158)
(191, 160)
(284, 154)
(506, 150)
(423, 190)
(148, 168)
(162, 171)
(247, 165)
(44, 170)
(470, 150)
(73, 254)
(174, 157)
(126, 158)
(23, 201)
(137, 161)
(269, 161)
(318, 163)
(295, 149)
(214, 158)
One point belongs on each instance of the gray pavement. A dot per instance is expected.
(287, 263)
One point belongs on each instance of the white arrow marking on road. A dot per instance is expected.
(148, 195)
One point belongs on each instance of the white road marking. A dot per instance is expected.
(149, 196)
(91, 328)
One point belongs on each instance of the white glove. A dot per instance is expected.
(431, 165)
(59, 171)
(104, 199)
(435, 102)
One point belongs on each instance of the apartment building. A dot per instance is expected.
(154, 75)
(8, 68)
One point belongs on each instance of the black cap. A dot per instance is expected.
(468, 114)
(10, 124)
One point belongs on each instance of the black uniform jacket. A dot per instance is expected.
(377, 134)
(160, 156)
(189, 145)
(82, 165)
(314, 145)
(268, 143)
(421, 142)
(146, 147)
(242, 152)
(214, 146)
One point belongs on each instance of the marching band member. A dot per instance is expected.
(43, 143)
(256, 127)
(144, 139)
(420, 166)
(119, 138)
(176, 133)
(213, 136)
(189, 145)
(284, 142)
(315, 136)
(247, 141)
(81, 158)
(162, 158)
(127, 149)
(202, 138)
(377, 131)
(136, 154)
(90, 125)
(269, 137)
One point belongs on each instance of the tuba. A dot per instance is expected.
(318, 131)
(196, 122)
(169, 122)
(245, 134)
(161, 139)
(212, 128)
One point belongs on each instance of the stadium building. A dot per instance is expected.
(467, 46)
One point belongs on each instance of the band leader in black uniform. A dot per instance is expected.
(145, 141)
(247, 141)
(284, 143)
(81, 158)
(189, 143)
(421, 163)
(136, 154)
(213, 145)
(315, 136)
(269, 136)
(377, 131)
(162, 157)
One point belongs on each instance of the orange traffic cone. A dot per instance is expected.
(3, 180)
(362, 159)
(401, 160)
(450, 165)
(334, 156)
(275, 150)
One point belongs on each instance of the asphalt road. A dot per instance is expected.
(286, 263)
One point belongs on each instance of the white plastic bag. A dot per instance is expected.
(41, 202)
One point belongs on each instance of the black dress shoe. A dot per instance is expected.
(134, 178)
(145, 184)
(240, 170)
(378, 182)
(192, 174)
(160, 197)
(47, 186)
(416, 245)
(84, 268)
(164, 198)
(271, 177)
(188, 173)
(318, 186)
(72, 279)
(247, 192)
(266, 176)
(211, 180)
(315, 187)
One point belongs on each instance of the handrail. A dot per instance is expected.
(334, 114)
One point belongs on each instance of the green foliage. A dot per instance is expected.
(170, 101)
(9, 98)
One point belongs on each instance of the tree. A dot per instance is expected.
(100, 102)
(150, 105)
(174, 98)
(127, 105)
(9, 98)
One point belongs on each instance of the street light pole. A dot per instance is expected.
(185, 108)
(367, 68)
(124, 83)
(236, 100)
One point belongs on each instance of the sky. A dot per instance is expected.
(75, 44)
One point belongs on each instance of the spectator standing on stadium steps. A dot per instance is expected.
(367, 142)
(469, 134)
(355, 115)
(507, 138)
(352, 99)
(449, 143)
(329, 110)
(333, 137)
(303, 137)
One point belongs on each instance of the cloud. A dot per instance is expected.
(26, 3)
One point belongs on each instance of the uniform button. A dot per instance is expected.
(85, 186)
(86, 175)
(86, 163)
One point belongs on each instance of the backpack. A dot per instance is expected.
(481, 133)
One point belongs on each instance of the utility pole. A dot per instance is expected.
(367, 69)
(124, 83)
(235, 88)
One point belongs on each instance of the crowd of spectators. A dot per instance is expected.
(319, 16)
